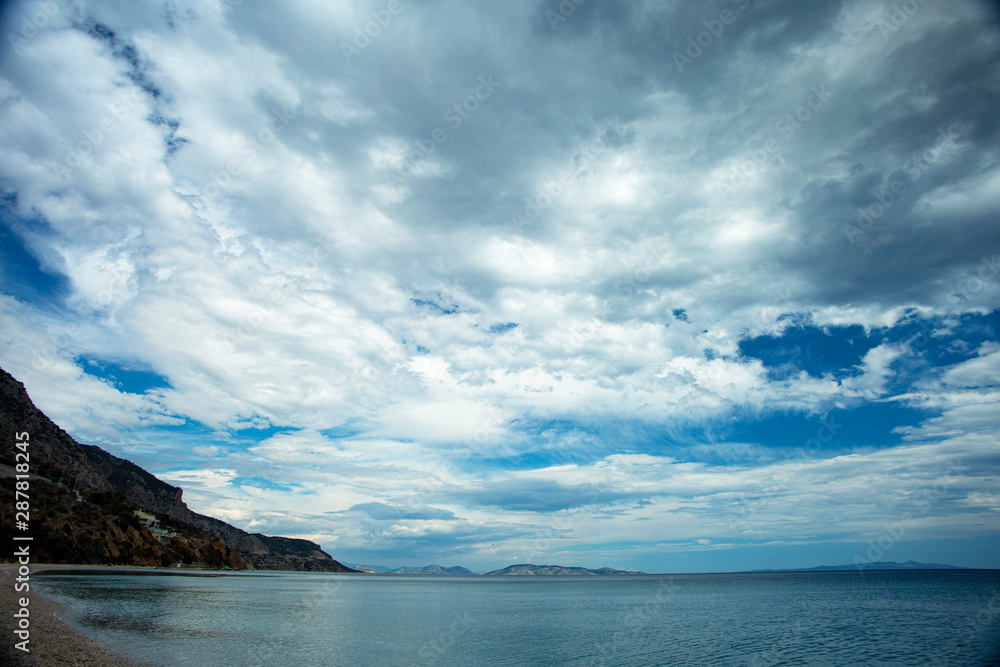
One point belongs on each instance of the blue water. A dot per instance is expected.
(274, 619)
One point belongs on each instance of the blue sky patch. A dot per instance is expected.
(22, 275)
(867, 426)
(255, 435)
(128, 379)
(438, 305)
(838, 351)
(503, 328)
(832, 351)
(265, 484)
(341, 432)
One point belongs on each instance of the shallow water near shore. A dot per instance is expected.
(802, 618)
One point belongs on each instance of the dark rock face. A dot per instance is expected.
(140, 487)
(90, 470)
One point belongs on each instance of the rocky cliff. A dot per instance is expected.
(93, 472)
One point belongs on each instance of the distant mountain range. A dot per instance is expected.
(512, 570)
(432, 569)
(84, 501)
(553, 570)
(427, 569)
(368, 569)
(881, 565)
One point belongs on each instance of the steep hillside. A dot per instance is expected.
(102, 529)
(91, 471)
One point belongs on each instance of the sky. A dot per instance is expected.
(655, 285)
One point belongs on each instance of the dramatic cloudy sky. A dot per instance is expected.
(677, 286)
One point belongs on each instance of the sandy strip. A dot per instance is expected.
(53, 642)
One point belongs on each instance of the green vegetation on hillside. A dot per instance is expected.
(102, 529)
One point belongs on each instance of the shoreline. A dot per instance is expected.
(53, 641)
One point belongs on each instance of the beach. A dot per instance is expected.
(52, 640)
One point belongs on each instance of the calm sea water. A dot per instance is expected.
(273, 619)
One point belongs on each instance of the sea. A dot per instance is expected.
(948, 617)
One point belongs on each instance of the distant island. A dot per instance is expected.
(524, 569)
(432, 569)
(427, 569)
(553, 570)
(881, 565)
(368, 569)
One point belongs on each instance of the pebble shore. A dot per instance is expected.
(53, 642)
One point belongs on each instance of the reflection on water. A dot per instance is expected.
(902, 618)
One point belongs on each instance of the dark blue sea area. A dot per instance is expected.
(781, 618)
